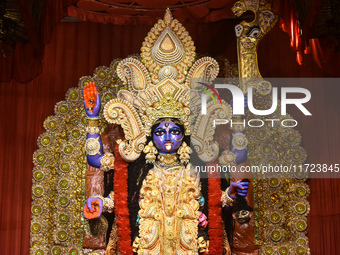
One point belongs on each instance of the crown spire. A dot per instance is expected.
(168, 16)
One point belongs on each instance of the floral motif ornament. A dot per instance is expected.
(158, 86)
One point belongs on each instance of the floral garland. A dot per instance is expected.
(120, 188)
(214, 212)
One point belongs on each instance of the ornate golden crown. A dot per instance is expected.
(158, 87)
(169, 108)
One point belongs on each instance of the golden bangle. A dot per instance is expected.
(92, 121)
(226, 199)
(107, 162)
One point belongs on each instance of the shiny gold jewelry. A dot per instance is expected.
(184, 151)
(108, 202)
(169, 203)
(92, 146)
(151, 152)
(167, 159)
(239, 141)
(226, 199)
(227, 158)
(92, 130)
(168, 107)
(108, 205)
(107, 162)
(92, 121)
(91, 100)
(112, 195)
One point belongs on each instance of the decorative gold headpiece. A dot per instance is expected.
(157, 85)
(169, 108)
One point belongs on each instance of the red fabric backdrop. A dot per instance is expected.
(76, 49)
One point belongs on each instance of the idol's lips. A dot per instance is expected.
(168, 146)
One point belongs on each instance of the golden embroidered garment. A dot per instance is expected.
(169, 211)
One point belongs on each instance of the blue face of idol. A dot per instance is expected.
(167, 137)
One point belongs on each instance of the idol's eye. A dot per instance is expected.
(254, 32)
(160, 132)
(175, 132)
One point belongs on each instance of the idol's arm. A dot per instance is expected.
(96, 157)
(94, 146)
(238, 146)
(236, 189)
(237, 139)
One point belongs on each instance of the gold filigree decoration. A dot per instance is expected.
(119, 111)
(175, 191)
(168, 108)
(167, 53)
(239, 141)
(107, 162)
(150, 150)
(203, 68)
(168, 43)
(92, 146)
(184, 153)
(281, 199)
(227, 158)
(133, 73)
(204, 130)
(167, 159)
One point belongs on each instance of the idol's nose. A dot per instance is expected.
(167, 136)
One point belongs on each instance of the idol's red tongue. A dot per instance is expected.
(168, 146)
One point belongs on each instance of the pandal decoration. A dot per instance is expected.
(144, 89)
(280, 203)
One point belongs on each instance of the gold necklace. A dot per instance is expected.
(167, 159)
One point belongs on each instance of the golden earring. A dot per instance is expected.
(184, 151)
(151, 152)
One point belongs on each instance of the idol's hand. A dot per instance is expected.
(238, 188)
(93, 208)
(91, 100)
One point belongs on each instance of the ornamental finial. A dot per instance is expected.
(168, 16)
